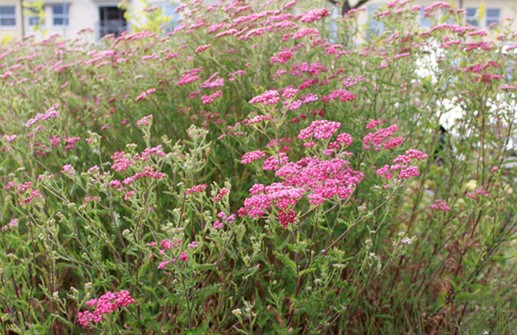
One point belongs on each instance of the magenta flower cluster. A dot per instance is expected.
(106, 304)
(51, 113)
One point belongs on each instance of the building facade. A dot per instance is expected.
(102, 17)
(69, 17)
(478, 13)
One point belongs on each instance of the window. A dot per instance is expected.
(472, 17)
(7, 16)
(34, 18)
(493, 15)
(424, 21)
(60, 14)
(374, 27)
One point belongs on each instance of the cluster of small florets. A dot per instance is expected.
(26, 193)
(145, 121)
(106, 304)
(402, 165)
(222, 219)
(51, 113)
(315, 15)
(147, 172)
(249, 157)
(281, 56)
(213, 82)
(321, 129)
(440, 205)
(341, 95)
(312, 69)
(271, 97)
(189, 76)
(318, 180)
(209, 99)
(202, 48)
(196, 189)
(383, 138)
(144, 94)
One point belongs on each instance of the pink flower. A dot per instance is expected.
(221, 194)
(373, 124)
(68, 169)
(218, 224)
(289, 93)
(162, 265)
(282, 56)
(202, 48)
(106, 304)
(166, 244)
(144, 94)
(315, 15)
(440, 205)
(341, 95)
(378, 138)
(145, 121)
(196, 189)
(249, 157)
(189, 76)
(321, 129)
(267, 98)
(286, 217)
(183, 257)
(208, 99)
(51, 113)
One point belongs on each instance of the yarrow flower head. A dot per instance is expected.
(252, 156)
(105, 304)
(196, 189)
(51, 113)
(267, 98)
(440, 205)
(321, 129)
(315, 15)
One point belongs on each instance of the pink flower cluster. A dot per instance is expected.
(223, 218)
(209, 99)
(202, 48)
(271, 97)
(341, 95)
(213, 82)
(480, 191)
(383, 138)
(440, 205)
(222, 192)
(145, 121)
(51, 113)
(312, 69)
(321, 129)
(106, 304)
(249, 157)
(318, 180)
(315, 15)
(196, 189)
(27, 194)
(190, 76)
(148, 172)
(281, 56)
(144, 94)
(401, 165)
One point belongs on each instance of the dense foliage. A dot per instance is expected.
(261, 169)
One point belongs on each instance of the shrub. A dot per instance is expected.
(256, 172)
